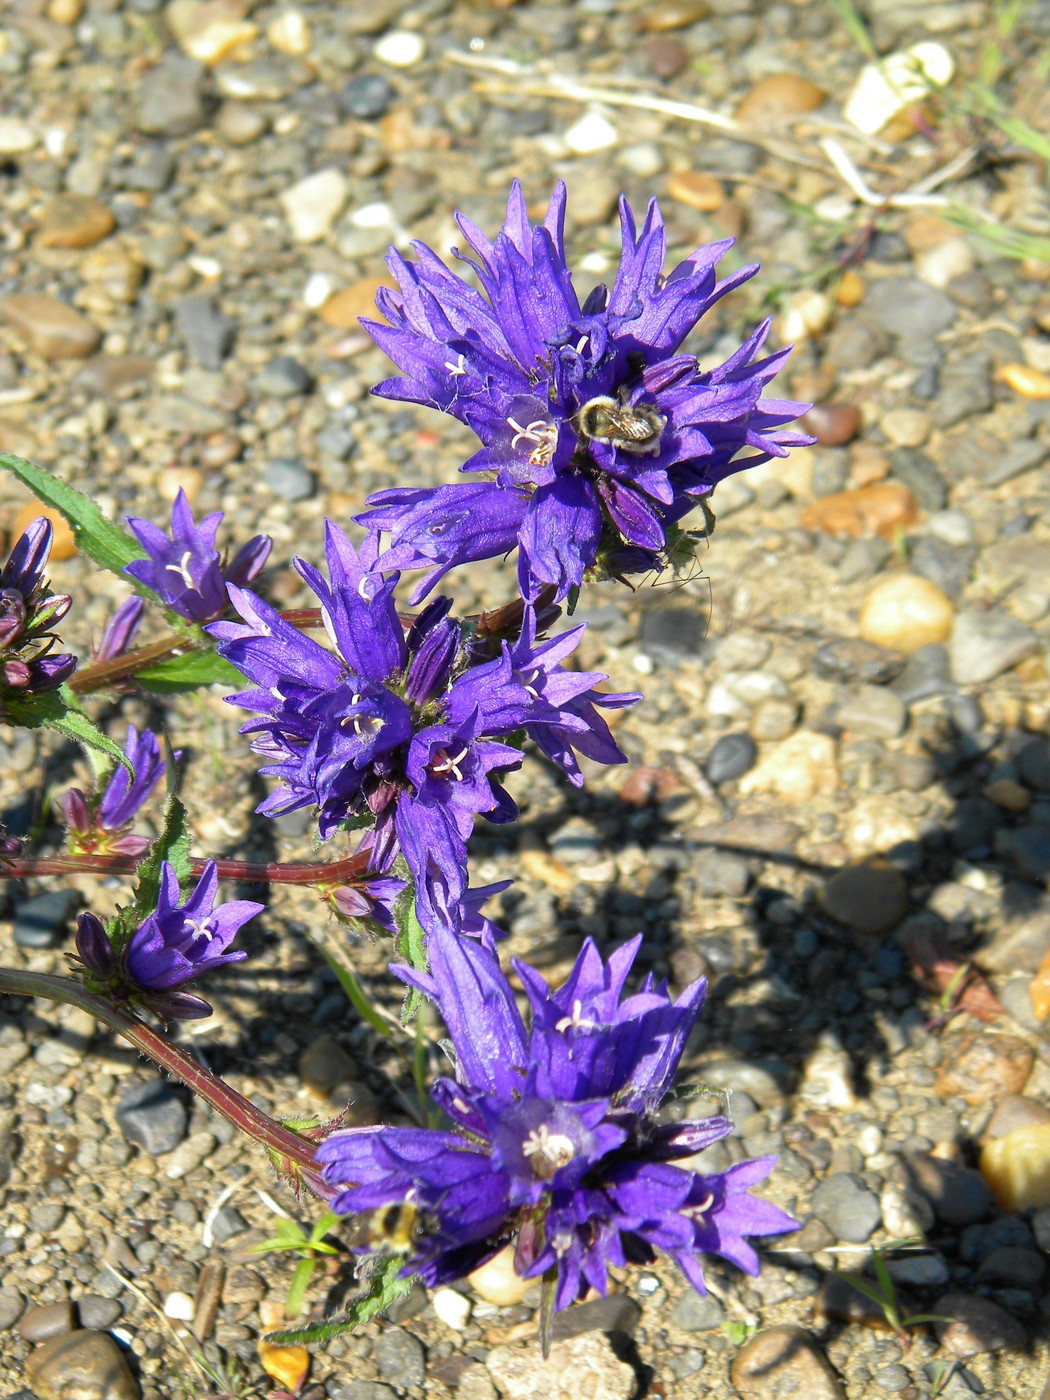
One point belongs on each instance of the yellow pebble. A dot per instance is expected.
(1024, 380)
(286, 1365)
(1017, 1168)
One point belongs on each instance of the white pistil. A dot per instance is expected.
(700, 1211)
(451, 765)
(537, 431)
(202, 928)
(458, 368)
(548, 1151)
(581, 343)
(182, 569)
(576, 1021)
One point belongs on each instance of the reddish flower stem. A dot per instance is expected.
(241, 1112)
(348, 869)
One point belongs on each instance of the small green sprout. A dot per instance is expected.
(940, 1374)
(289, 1234)
(738, 1331)
(884, 1296)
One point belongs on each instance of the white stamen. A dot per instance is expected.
(577, 1021)
(581, 343)
(458, 368)
(201, 928)
(451, 765)
(549, 1151)
(182, 569)
(538, 431)
(702, 1208)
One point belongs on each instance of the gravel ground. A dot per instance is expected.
(840, 773)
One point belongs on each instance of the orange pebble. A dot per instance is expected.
(64, 544)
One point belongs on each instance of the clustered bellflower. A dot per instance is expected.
(408, 731)
(28, 612)
(103, 824)
(597, 435)
(172, 946)
(185, 570)
(556, 1140)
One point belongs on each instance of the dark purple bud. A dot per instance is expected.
(120, 630)
(25, 567)
(12, 615)
(52, 671)
(434, 652)
(16, 674)
(75, 811)
(128, 846)
(93, 946)
(248, 561)
(50, 612)
(177, 1006)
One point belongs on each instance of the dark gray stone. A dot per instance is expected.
(40, 922)
(845, 1205)
(919, 473)
(925, 673)
(906, 307)
(979, 1241)
(283, 378)
(693, 1313)
(289, 479)
(207, 331)
(617, 1313)
(1033, 765)
(98, 1312)
(732, 756)
(170, 101)
(1009, 1266)
(1015, 459)
(959, 1195)
(862, 559)
(985, 644)
(366, 96)
(400, 1357)
(151, 170)
(11, 1305)
(853, 659)
(228, 1224)
(966, 390)
(671, 635)
(1029, 849)
(947, 565)
(153, 1115)
(973, 824)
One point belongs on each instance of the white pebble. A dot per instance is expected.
(318, 289)
(290, 34)
(885, 88)
(179, 1306)
(597, 263)
(451, 1307)
(869, 1140)
(313, 204)
(15, 136)
(375, 215)
(592, 132)
(400, 48)
(643, 664)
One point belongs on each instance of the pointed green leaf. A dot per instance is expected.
(410, 940)
(189, 672)
(385, 1288)
(172, 845)
(56, 709)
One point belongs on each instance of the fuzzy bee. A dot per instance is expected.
(630, 427)
(390, 1229)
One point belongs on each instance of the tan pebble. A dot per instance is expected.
(498, 1283)
(779, 95)
(53, 329)
(807, 314)
(906, 612)
(80, 1364)
(1024, 380)
(666, 15)
(290, 34)
(698, 191)
(324, 1064)
(926, 231)
(1017, 1168)
(544, 867)
(63, 542)
(800, 768)
(880, 508)
(851, 288)
(773, 719)
(783, 1360)
(868, 464)
(1013, 1112)
(813, 383)
(65, 11)
(875, 824)
(832, 424)
(172, 480)
(982, 1065)
(118, 270)
(218, 449)
(74, 221)
(345, 308)
(288, 1366)
(906, 427)
(1039, 990)
(209, 30)
(239, 123)
(1008, 794)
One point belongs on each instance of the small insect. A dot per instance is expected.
(632, 427)
(391, 1228)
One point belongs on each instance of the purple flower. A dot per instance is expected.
(119, 631)
(408, 732)
(597, 436)
(556, 1139)
(185, 570)
(181, 941)
(28, 612)
(102, 824)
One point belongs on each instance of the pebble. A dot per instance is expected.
(920, 475)
(290, 34)
(800, 768)
(189, 1155)
(852, 659)
(779, 95)
(366, 96)
(919, 1270)
(324, 1064)
(1011, 1267)
(52, 327)
(906, 427)
(910, 309)
(981, 1065)
(359, 299)
(207, 331)
(666, 15)
(581, 1366)
(170, 100)
(1017, 1168)
(591, 133)
(452, 1308)
(617, 1313)
(153, 1115)
(881, 508)
(889, 85)
(1029, 849)
(873, 711)
(696, 190)
(40, 922)
(1039, 990)
(400, 1357)
(209, 30)
(313, 204)
(97, 1312)
(959, 1195)
(832, 424)
(1024, 380)
(283, 378)
(117, 271)
(870, 897)
(782, 1361)
(496, 1281)
(827, 1078)
(16, 137)
(289, 479)
(985, 644)
(905, 1213)
(846, 1207)
(671, 635)
(695, 1312)
(774, 719)
(731, 757)
(807, 313)
(74, 221)
(11, 1305)
(906, 612)
(81, 1364)
(240, 124)
(977, 1326)
(47, 1320)
(667, 58)
(400, 48)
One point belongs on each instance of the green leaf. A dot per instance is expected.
(107, 544)
(868, 1290)
(410, 940)
(883, 1275)
(324, 1226)
(385, 1289)
(172, 845)
(56, 709)
(304, 1272)
(189, 672)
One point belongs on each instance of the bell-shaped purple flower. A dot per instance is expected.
(28, 613)
(597, 435)
(119, 632)
(557, 1141)
(185, 570)
(103, 824)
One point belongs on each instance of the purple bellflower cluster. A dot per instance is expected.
(102, 823)
(409, 731)
(598, 436)
(171, 947)
(28, 613)
(556, 1140)
(185, 570)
